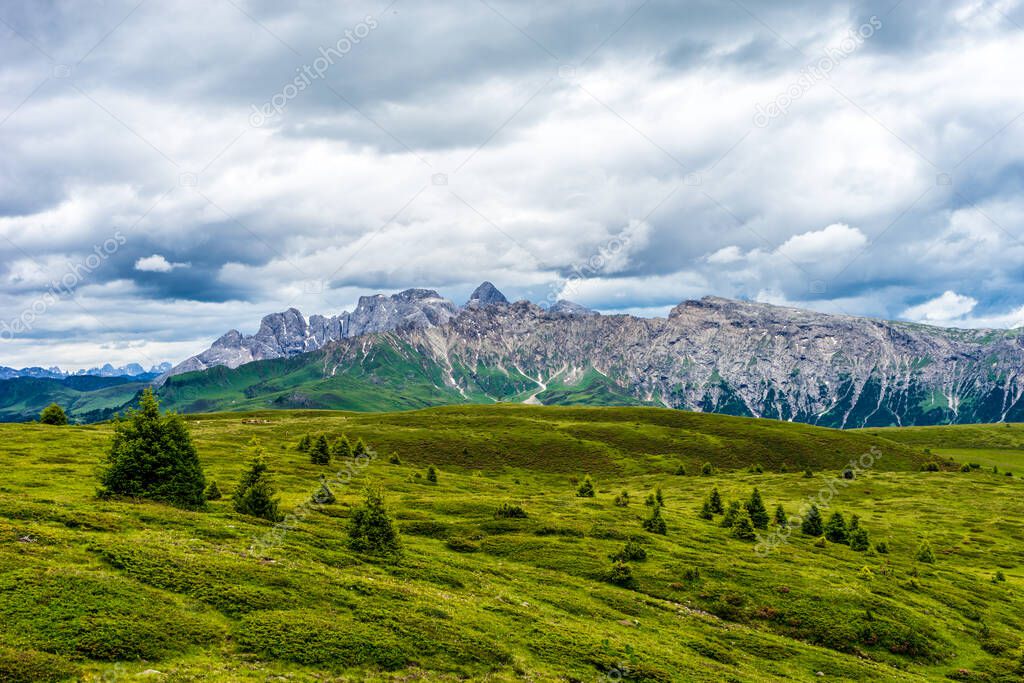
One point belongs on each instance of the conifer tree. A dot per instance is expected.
(781, 518)
(213, 491)
(925, 553)
(656, 523)
(586, 488)
(324, 495)
(731, 512)
(371, 529)
(812, 524)
(341, 448)
(254, 494)
(305, 443)
(835, 530)
(705, 510)
(658, 497)
(320, 452)
(743, 526)
(360, 450)
(432, 474)
(716, 502)
(859, 539)
(757, 511)
(152, 456)
(622, 500)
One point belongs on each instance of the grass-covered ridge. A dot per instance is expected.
(136, 586)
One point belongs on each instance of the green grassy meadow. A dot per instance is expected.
(95, 589)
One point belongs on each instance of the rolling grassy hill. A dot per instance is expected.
(106, 589)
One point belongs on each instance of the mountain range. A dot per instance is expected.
(107, 370)
(416, 348)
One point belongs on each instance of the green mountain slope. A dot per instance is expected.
(84, 398)
(131, 587)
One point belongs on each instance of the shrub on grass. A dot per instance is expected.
(213, 491)
(965, 468)
(656, 523)
(999, 577)
(859, 540)
(586, 488)
(930, 467)
(836, 530)
(848, 474)
(320, 452)
(781, 519)
(53, 414)
(18, 665)
(706, 469)
(819, 542)
(510, 511)
(716, 501)
(462, 545)
(324, 495)
(394, 459)
(620, 574)
(622, 500)
(925, 553)
(812, 524)
(757, 511)
(650, 501)
(371, 529)
(808, 474)
(756, 469)
(680, 471)
(743, 526)
(305, 443)
(432, 474)
(152, 456)
(631, 552)
(254, 495)
(882, 548)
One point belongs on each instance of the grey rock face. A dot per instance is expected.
(485, 295)
(742, 358)
(288, 334)
(569, 308)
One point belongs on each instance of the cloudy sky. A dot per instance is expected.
(169, 171)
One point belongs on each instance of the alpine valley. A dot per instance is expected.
(417, 349)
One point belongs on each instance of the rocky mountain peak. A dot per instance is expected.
(485, 295)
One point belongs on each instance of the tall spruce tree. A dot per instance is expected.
(716, 501)
(320, 452)
(835, 529)
(341, 448)
(371, 529)
(254, 494)
(757, 511)
(780, 516)
(812, 524)
(152, 456)
(743, 526)
(656, 523)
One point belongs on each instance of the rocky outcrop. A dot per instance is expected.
(286, 334)
(712, 355)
